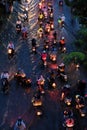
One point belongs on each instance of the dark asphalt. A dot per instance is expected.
(18, 101)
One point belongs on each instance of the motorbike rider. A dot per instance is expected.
(33, 42)
(55, 35)
(61, 68)
(24, 31)
(20, 125)
(41, 16)
(21, 73)
(47, 27)
(62, 42)
(41, 81)
(59, 21)
(60, 2)
(5, 75)
(45, 12)
(18, 25)
(18, 22)
(44, 55)
(25, 15)
(40, 31)
(11, 46)
(4, 80)
(63, 18)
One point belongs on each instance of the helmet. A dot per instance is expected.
(44, 51)
(62, 38)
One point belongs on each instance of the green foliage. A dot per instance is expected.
(78, 7)
(67, 2)
(79, 43)
(85, 64)
(74, 57)
(83, 34)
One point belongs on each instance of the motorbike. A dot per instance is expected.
(44, 59)
(46, 47)
(40, 82)
(68, 100)
(24, 35)
(65, 91)
(53, 57)
(34, 49)
(18, 28)
(36, 100)
(40, 6)
(40, 33)
(51, 25)
(37, 103)
(10, 52)
(20, 78)
(69, 121)
(25, 16)
(63, 77)
(62, 48)
(51, 16)
(80, 105)
(51, 81)
(61, 3)
(5, 85)
(39, 111)
(19, 125)
(27, 83)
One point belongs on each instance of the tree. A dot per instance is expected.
(78, 7)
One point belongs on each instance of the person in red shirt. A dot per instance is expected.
(44, 55)
(62, 42)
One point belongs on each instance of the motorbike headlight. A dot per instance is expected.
(9, 51)
(39, 113)
(54, 85)
(65, 77)
(26, 8)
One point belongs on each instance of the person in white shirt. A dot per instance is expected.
(10, 45)
(20, 125)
